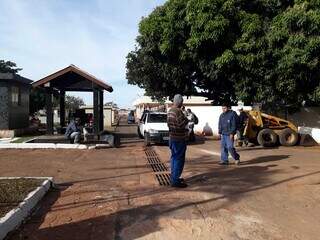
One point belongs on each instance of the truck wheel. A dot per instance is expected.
(139, 133)
(267, 138)
(288, 137)
(146, 139)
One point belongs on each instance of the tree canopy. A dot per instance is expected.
(8, 67)
(250, 50)
(73, 103)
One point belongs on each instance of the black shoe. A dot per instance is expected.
(223, 163)
(182, 180)
(179, 185)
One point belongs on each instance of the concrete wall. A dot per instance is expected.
(19, 115)
(4, 111)
(56, 117)
(209, 118)
(108, 116)
(315, 133)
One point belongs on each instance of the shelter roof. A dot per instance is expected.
(72, 78)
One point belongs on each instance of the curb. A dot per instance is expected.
(15, 217)
(50, 146)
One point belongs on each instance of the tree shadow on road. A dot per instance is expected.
(37, 218)
(226, 186)
(209, 184)
(264, 159)
(256, 148)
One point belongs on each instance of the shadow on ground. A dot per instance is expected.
(223, 187)
(229, 185)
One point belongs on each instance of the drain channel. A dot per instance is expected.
(158, 167)
(163, 179)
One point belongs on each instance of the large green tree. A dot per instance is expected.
(294, 38)
(8, 67)
(73, 103)
(37, 100)
(250, 50)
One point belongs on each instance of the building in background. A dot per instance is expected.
(147, 103)
(110, 114)
(14, 104)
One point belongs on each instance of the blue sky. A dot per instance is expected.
(43, 36)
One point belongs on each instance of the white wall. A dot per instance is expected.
(108, 116)
(313, 132)
(209, 118)
(316, 134)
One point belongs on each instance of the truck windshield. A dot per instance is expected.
(157, 118)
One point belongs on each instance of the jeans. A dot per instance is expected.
(227, 146)
(178, 155)
(75, 136)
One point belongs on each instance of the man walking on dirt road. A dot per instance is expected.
(228, 123)
(178, 132)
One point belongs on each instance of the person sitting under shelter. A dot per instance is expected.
(73, 132)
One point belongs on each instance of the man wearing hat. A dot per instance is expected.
(178, 133)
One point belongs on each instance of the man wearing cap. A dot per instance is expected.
(178, 133)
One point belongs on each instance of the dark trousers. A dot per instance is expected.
(178, 155)
(227, 146)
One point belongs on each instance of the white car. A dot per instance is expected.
(153, 128)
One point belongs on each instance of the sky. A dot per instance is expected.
(44, 36)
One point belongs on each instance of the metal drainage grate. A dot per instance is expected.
(163, 179)
(158, 167)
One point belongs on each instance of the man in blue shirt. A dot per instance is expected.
(73, 131)
(228, 124)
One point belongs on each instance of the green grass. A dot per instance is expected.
(14, 191)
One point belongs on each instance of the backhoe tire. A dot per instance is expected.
(267, 138)
(288, 137)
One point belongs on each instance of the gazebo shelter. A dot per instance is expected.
(73, 79)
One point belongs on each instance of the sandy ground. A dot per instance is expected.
(113, 194)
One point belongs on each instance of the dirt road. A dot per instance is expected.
(112, 194)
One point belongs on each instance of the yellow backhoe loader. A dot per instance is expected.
(269, 130)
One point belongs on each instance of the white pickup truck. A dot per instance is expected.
(153, 128)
